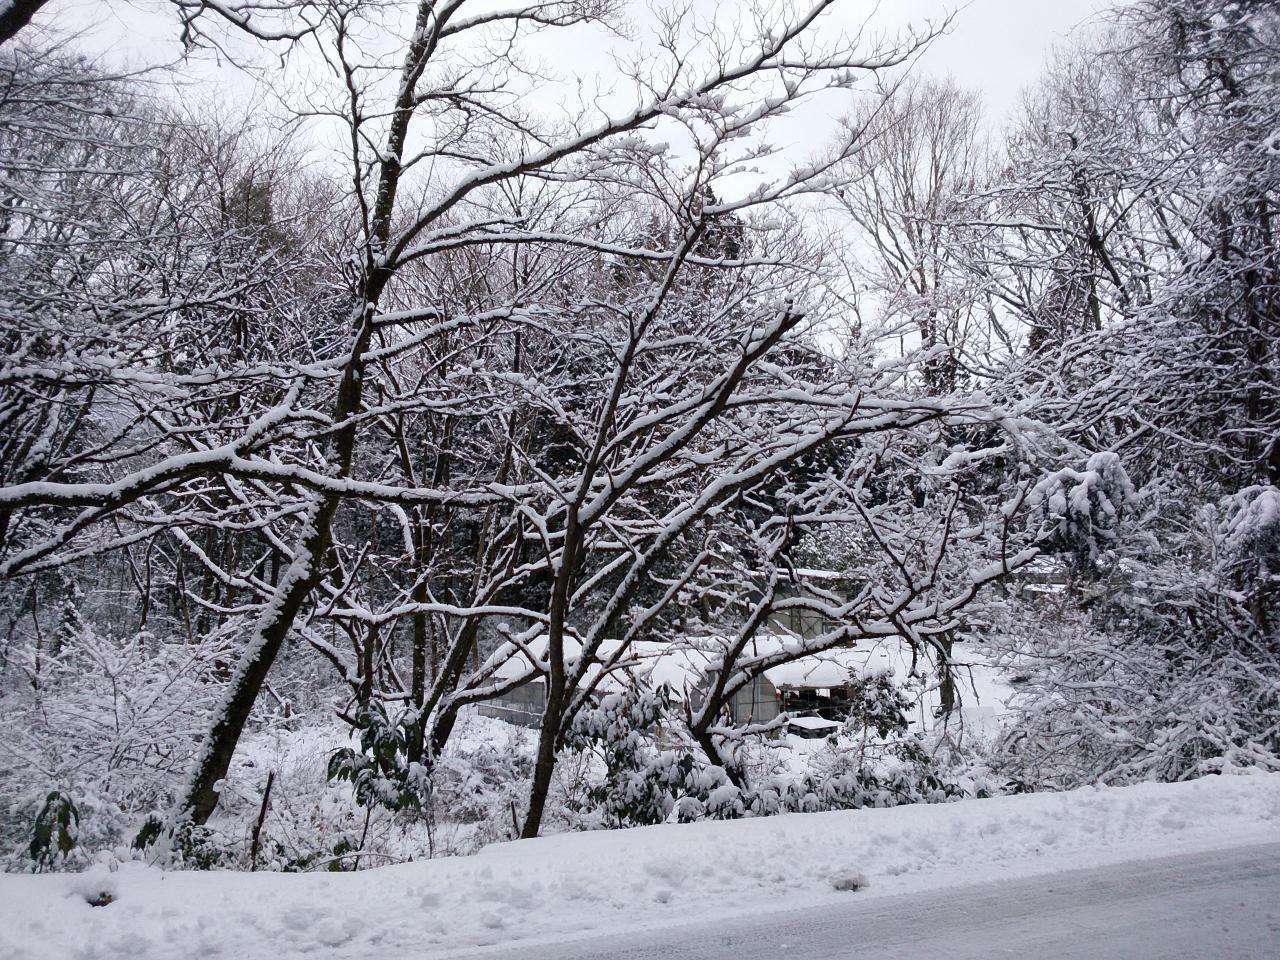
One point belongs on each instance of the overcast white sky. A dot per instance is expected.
(996, 46)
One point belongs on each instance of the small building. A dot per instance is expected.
(816, 685)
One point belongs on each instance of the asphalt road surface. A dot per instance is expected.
(1223, 905)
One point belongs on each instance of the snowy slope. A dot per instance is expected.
(579, 884)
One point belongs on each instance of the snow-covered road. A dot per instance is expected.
(1223, 905)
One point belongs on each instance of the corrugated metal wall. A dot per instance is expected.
(522, 706)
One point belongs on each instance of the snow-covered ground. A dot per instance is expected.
(587, 883)
(1213, 905)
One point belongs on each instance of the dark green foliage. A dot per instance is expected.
(149, 832)
(641, 783)
(54, 834)
(336, 859)
(879, 705)
(193, 846)
(645, 784)
(380, 772)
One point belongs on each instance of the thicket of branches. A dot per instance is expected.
(507, 395)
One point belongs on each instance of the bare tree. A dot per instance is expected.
(923, 155)
(283, 21)
(289, 451)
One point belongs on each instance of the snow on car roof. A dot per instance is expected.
(813, 723)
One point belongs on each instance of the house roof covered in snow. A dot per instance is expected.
(832, 668)
(683, 666)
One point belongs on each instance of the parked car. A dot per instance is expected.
(808, 733)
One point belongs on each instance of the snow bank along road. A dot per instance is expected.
(576, 887)
(1220, 905)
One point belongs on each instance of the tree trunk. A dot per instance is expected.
(947, 685)
(713, 753)
(16, 15)
(200, 796)
(543, 768)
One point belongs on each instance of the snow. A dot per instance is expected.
(814, 723)
(801, 744)
(1199, 905)
(1254, 516)
(96, 886)
(683, 667)
(580, 884)
(833, 668)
